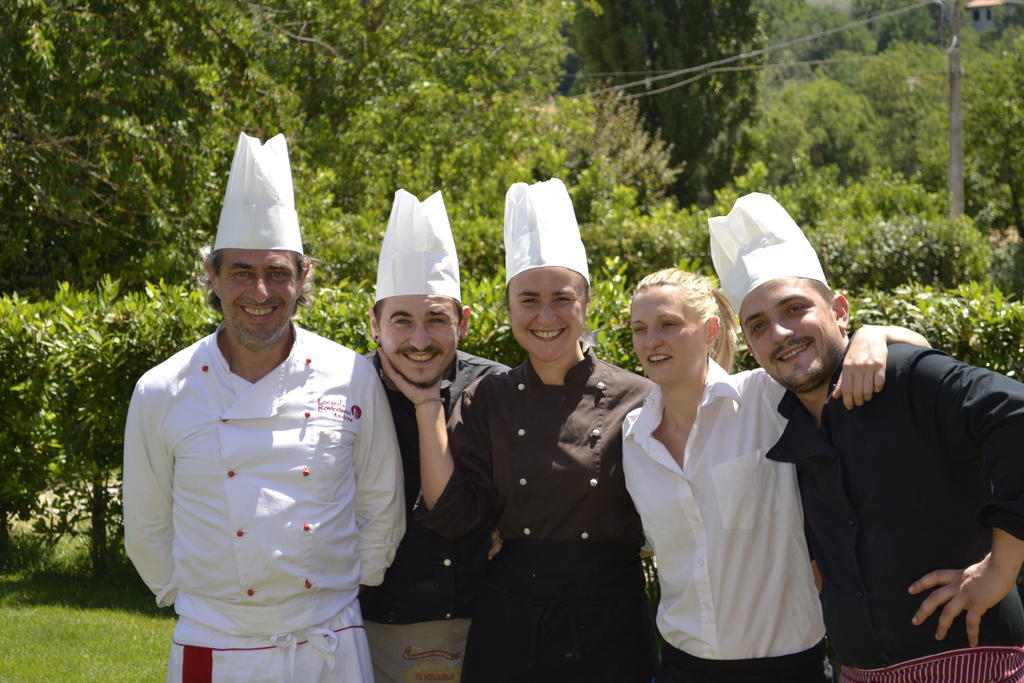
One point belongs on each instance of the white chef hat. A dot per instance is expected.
(259, 203)
(541, 229)
(418, 254)
(757, 242)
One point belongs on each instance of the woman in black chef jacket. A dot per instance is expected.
(537, 452)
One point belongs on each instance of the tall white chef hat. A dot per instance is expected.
(757, 242)
(418, 254)
(259, 202)
(541, 229)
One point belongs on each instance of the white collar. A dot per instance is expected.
(718, 384)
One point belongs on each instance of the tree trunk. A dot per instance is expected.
(98, 532)
(1015, 200)
(5, 539)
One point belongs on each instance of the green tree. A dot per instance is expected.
(788, 20)
(906, 86)
(813, 123)
(920, 25)
(994, 134)
(120, 118)
(700, 120)
(418, 94)
(111, 110)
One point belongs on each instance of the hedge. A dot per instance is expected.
(881, 233)
(72, 361)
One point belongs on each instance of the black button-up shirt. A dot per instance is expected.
(908, 483)
(431, 577)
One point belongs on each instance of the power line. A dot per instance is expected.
(601, 74)
(751, 67)
(754, 53)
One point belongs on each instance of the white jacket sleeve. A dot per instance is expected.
(148, 479)
(380, 501)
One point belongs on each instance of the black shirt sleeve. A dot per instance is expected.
(976, 413)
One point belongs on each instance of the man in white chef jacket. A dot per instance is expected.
(262, 481)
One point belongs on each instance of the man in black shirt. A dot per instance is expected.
(418, 618)
(922, 489)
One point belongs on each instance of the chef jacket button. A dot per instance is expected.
(851, 522)
(231, 473)
(521, 386)
(595, 432)
(206, 368)
(700, 562)
(307, 414)
(250, 592)
(447, 562)
(860, 594)
(305, 471)
(593, 482)
(522, 482)
(308, 361)
(585, 535)
(526, 531)
(306, 527)
(308, 584)
(239, 533)
(521, 432)
(600, 385)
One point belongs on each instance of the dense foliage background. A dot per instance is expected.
(119, 120)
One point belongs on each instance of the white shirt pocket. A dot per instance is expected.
(334, 472)
(745, 491)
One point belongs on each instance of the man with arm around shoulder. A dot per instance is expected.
(920, 489)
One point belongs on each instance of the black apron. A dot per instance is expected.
(560, 612)
(809, 666)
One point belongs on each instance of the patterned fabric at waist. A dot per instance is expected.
(969, 665)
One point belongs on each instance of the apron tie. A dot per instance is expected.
(323, 640)
(286, 641)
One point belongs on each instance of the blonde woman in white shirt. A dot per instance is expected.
(738, 596)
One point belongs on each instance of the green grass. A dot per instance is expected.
(56, 624)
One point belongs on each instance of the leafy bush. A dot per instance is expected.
(883, 254)
(882, 232)
(72, 362)
(28, 450)
(879, 233)
(78, 356)
(975, 323)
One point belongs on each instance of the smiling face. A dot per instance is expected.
(419, 334)
(547, 309)
(258, 289)
(670, 337)
(796, 332)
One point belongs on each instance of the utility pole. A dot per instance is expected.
(956, 114)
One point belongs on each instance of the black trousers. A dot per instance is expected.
(801, 667)
(562, 612)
